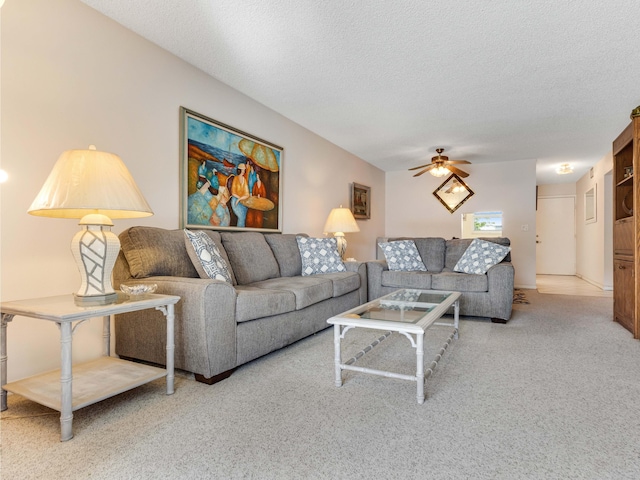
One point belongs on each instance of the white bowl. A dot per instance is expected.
(140, 289)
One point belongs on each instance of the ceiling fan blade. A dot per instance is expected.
(459, 162)
(421, 166)
(428, 166)
(457, 171)
(423, 171)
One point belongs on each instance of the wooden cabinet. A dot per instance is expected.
(626, 227)
(624, 293)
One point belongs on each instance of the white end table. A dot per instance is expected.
(93, 381)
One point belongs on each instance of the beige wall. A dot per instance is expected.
(594, 246)
(557, 190)
(72, 77)
(509, 187)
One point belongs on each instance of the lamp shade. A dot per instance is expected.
(341, 220)
(90, 182)
(95, 187)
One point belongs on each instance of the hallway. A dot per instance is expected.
(569, 285)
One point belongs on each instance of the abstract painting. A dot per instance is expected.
(230, 180)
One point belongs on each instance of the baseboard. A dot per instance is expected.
(595, 284)
(525, 287)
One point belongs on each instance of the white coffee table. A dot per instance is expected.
(409, 312)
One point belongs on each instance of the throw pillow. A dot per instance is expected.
(205, 256)
(480, 256)
(402, 256)
(319, 255)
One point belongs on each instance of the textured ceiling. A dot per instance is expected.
(390, 81)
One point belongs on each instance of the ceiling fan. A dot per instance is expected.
(441, 165)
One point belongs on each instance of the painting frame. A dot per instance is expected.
(450, 199)
(229, 179)
(360, 201)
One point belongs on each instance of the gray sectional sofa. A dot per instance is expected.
(488, 295)
(219, 325)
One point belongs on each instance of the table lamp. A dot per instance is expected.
(341, 221)
(95, 187)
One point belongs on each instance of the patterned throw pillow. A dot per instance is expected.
(319, 255)
(480, 256)
(205, 256)
(403, 256)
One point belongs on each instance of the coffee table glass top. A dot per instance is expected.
(405, 306)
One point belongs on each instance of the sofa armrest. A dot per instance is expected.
(361, 269)
(374, 277)
(205, 326)
(500, 278)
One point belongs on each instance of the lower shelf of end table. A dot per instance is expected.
(93, 382)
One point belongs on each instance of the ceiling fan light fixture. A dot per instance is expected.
(564, 169)
(439, 171)
(441, 166)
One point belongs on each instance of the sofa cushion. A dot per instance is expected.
(205, 256)
(406, 279)
(250, 256)
(152, 251)
(459, 282)
(307, 290)
(253, 302)
(480, 256)
(432, 250)
(343, 282)
(402, 256)
(456, 247)
(285, 249)
(319, 255)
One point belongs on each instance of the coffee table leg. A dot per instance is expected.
(456, 316)
(337, 354)
(420, 366)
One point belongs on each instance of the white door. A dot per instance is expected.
(556, 236)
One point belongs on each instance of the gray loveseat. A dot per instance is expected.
(489, 295)
(220, 326)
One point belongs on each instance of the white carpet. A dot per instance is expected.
(553, 394)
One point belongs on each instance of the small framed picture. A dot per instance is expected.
(361, 201)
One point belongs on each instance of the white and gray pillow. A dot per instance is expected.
(205, 256)
(402, 256)
(319, 255)
(480, 256)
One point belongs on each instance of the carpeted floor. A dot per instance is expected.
(553, 394)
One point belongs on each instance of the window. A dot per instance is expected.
(481, 224)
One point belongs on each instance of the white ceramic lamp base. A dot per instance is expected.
(95, 249)
(342, 244)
